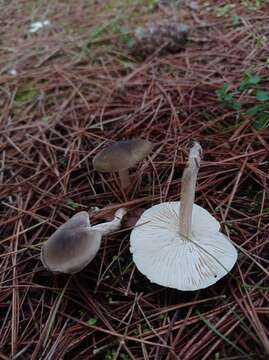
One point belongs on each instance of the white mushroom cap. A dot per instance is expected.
(169, 259)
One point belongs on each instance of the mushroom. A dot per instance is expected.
(121, 156)
(178, 244)
(75, 243)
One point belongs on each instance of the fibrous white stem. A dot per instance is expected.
(111, 226)
(188, 190)
(124, 178)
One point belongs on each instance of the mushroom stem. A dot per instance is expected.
(188, 190)
(111, 226)
(124, 178)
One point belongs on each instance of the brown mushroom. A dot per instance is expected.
(121, 156)
(75, 243)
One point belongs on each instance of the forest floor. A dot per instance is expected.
(73, 86)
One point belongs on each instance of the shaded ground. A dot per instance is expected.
(77, 86)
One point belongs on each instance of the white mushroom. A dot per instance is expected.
(178, 244)
(75, 244)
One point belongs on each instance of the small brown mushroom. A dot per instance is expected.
(121, 156)
(75, 243)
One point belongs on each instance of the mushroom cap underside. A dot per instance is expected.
(71, 247)
(166, 258)
(122, 155)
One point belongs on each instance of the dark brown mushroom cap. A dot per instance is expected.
(72, 246)
(122, 155)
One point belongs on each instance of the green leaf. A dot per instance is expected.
(26, 94)
(236, 20)
(249, 80)
(151, 4)
(254, 80)
(124, 356)
(116, 28)
(223, 10)
(255, 110)
(228, 97)
(82, 312)
(262, 95)
(252, 5)
(262, 122)
(45, 119)
(109, 355)
(72, 203)
(130, 42)
(223, 93)
(92, 321)
(225, 87)
(236, 105)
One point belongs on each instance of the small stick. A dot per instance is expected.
(188, 186)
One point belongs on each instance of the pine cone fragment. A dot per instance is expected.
(167, 36)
